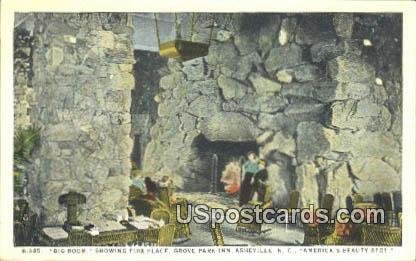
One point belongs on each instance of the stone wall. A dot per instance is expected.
(82, 65)
(23, 92)
(319, 101)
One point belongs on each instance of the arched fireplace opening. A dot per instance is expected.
(213, 156)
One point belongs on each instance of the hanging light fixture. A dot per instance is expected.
(181, 49)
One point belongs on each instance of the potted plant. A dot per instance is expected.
(25, 141)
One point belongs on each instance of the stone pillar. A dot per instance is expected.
(82, 66)
(23, 93)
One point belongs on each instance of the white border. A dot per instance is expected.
(407, 252)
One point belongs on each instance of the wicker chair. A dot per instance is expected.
(164, 195)
(25, 224)
(159, 214)
(380, 235)
(317, 234)
(181, 230)
(383, 235)
(293, 201)
(166, 235)
(217, 236)
(162, 236)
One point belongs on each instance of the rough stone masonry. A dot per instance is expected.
(82, 80)
(324, 108)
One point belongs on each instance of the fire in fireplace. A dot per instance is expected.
(213, 156)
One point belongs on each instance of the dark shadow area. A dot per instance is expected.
(148, 70)
(225, 151)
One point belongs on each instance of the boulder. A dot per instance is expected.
(64, 131)
(204, 106)
(264, 137)
(223, 54)
(192, 90)
(264, 86)
(283, 57)
(333, 91)
(306, 72)
(339, 184)
(307, 184)
(255, 104)
(363, 143)
(171, 81)
(271, 104)
(245, 65)
(326, 50)
(305, 111)
(304, 90)
(174, 65)
(374, 175)
(231, 89)
(188, 122)
(151, 162)
(169, 106)
(280, 184)
(277, 122)
(285, 76)
(223, 35)
(282, 143)
(350, 69)
(229, 126)
(194, 69)
(312, 140)
(245, 43)
(364, 114)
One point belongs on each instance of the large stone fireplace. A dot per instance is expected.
(318, 102)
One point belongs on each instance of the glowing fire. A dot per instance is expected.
(231, 177)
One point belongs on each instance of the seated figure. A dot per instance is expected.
(147, 201)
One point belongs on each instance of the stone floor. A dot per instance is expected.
(273, 234)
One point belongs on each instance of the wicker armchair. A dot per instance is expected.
(316, 234)
(162, 236)
(164, 194)
(380, 235)
(166, 235)
(181, 230)
(25, 224)
(217, 236)
(161, 214)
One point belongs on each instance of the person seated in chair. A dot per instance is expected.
(165, 188)
(151, 189)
